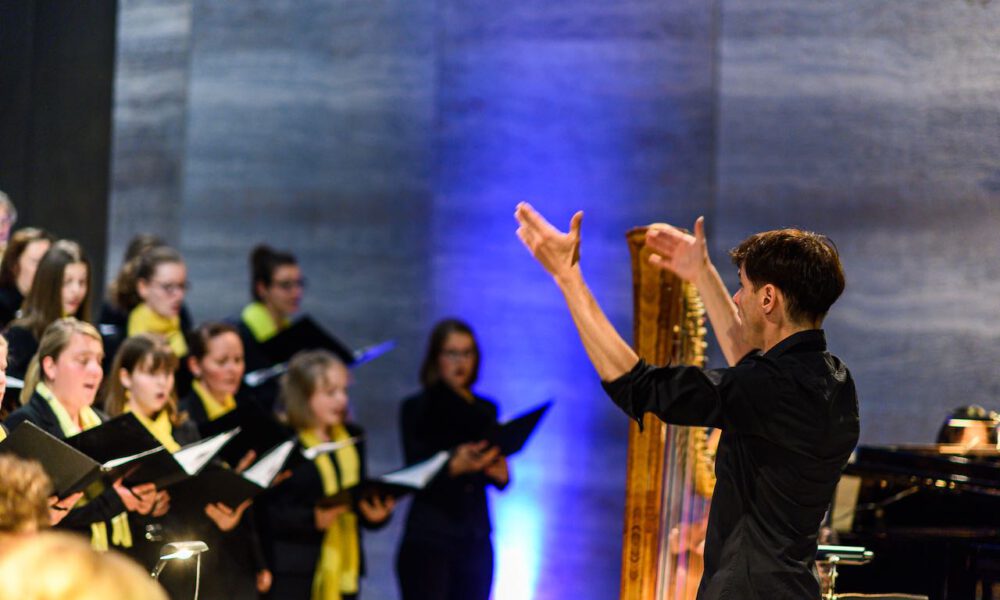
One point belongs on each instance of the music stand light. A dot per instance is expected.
(182, 551)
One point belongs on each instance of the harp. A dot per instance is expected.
(670, 472)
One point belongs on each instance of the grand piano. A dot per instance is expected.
(931, 517)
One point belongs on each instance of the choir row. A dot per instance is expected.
(146, 358)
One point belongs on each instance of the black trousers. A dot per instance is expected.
(437, 571)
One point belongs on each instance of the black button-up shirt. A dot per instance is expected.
(789, 421)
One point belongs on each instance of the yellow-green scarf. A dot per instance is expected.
(121, 535)
(339, 565)
(161, 428)
(142, 319)
(213, 407)
(260, 322)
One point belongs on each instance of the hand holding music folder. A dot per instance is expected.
(168, 469)
(511, 435)
(69, 469)
(218, 483)
(395, 483)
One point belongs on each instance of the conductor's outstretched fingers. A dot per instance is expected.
(557, 252)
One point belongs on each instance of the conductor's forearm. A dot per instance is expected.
(722, 314)
(611, 356)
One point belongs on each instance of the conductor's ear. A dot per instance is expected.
(769, 298)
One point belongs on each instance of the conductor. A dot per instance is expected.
(787, 408)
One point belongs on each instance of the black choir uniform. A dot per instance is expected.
(11, 300)
(265, 395)
(789, 421)
(229, 568)
(446, 552)
(292, 543)
(22, 347)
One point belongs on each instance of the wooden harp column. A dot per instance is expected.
(670, 473)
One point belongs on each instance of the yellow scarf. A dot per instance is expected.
(3, 434)
(339, 564)
(213, 407)
(142, 319)
(260, 322)
(161, 428)
(121, 535)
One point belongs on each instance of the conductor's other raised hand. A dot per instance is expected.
(684, 254)
(558, 252)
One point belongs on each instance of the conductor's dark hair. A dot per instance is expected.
(264, 261)
(430, 374)
(804, 265)
(949, 433)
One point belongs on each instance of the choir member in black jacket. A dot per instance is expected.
(141, 382)
(123, 295)
(314, 547)
(64, 378)
(215, 360)
(276, 286)
(24, 483)
(17, 270)
(446, 552)
(61, 288)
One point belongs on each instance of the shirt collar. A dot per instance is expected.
(811, 340)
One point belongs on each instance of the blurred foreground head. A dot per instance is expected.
(61, 566)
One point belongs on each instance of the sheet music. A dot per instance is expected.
(266, 469)
(194, 457)
(111, 464)
(420, 474)
(327, 447)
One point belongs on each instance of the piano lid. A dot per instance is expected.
(927, 462)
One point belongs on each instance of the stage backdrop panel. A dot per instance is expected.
(876, 123)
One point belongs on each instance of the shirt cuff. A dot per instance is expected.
(620, 391)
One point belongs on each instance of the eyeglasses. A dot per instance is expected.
(173, 288)
(288, 285)
(458, 354)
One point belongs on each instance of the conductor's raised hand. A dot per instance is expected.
(684, 254)
(558, 252)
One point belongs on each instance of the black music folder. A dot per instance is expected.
(395, 483)
(69, 469)
(121, 436)
(306, 334)
(168, 469)
(218, 483)
(259, 431)
(511, 435)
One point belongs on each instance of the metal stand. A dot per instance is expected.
(834, 556)
(182, 551)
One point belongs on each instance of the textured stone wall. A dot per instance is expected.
(877, 123)
(150, 116)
